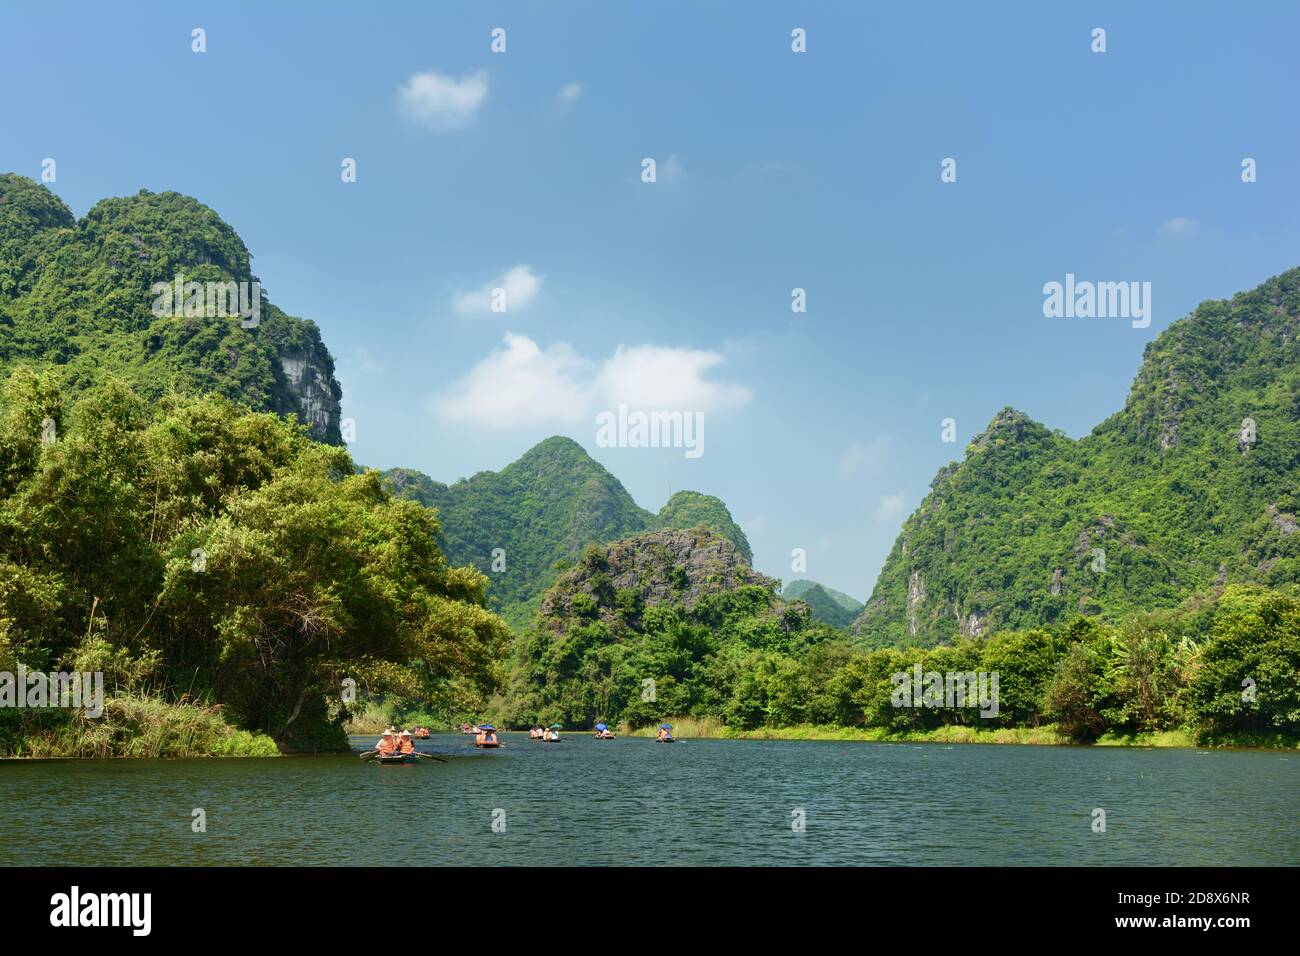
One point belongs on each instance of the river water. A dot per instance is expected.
(634, 801)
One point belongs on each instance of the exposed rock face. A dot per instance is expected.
(1286, 523)
(315, 393)
(915, 598)
(1056, 582)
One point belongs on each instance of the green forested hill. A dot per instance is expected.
(827, 604)
(1193, 484)
(670, 622)
(78, 294)
(690, 509)
(541, 511)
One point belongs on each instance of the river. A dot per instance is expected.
(634, 801)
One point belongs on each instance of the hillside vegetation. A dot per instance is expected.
(541, 511)
(78, 294)
(827, 604)
(1193, 485)
(199, 553)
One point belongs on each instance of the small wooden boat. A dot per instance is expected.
(551, 739)
(396, 758)
(420, 733)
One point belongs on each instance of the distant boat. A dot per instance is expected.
(665, 734)
(603, 732)
(487, 737)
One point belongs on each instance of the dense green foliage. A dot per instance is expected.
(541, 511)
(191, 549)
(78, 294)
(833, 607)
(680, 609)
(1224, 670)
(1165, 492)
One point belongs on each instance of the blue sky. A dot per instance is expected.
(777, 170)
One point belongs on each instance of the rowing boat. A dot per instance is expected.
(397, 758)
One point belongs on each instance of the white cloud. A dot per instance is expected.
(651, 377)
(521, 384)
(569, 95)
(889, 508)
(440, 101)
(671, 171)
(520, 287)
(868, 459)
(1180, 227)
(524, 384)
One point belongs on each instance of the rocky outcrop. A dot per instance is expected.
(314, 392)
(1286, 523)
(671, 566)
(915, 599)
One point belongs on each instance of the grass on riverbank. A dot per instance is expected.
(711, 727)
(687, 727)
(133, 726)
(373, 716)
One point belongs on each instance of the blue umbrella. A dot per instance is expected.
(665, 726)
(486, 727)
(602, 726)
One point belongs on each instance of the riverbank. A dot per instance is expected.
(131, 727)
(712, 728)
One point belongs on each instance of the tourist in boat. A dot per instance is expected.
(387, 743)
(603, 732)
(665, 733)
(552, 735)
(487, 737)
(405, 743)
